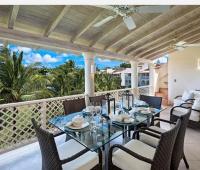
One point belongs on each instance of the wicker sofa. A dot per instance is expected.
(194, 103)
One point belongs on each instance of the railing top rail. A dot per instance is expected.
(40, 101)
(59, 98)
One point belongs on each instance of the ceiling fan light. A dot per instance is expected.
(128, 20)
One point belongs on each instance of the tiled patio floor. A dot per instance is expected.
(29, 158)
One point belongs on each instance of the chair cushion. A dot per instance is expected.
(84, 162)
(125, 161)
(195, 116)
(187, 95)
(150, 140)
(178, 102)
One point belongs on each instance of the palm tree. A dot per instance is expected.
(17, 81)
(67, 79)
(105, 82)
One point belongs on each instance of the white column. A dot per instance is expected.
(89, 74)
(134, 74)
(152, 79)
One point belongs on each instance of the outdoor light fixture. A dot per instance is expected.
(108, 104)
(127, 100)
(198, 63)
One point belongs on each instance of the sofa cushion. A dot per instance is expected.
(196, 104)
(125, 161)
(195, 116)
(84, 162)
(196, 94)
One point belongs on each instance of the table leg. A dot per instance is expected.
(148, 121)
(106, 155)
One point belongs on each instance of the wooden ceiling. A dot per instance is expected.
(71, 28)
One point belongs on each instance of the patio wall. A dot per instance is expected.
(15, 118)
(182, 71)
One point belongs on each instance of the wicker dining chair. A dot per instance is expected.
(69, 155)
(96, 100)
(178, 150)
(72, 106)
(152, 101)
(140, 156)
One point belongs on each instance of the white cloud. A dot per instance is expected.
(64, 54)
(24, 49)
(103, 60)
(36, 57)
(49, 59)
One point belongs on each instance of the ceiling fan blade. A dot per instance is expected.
(179, 48)
(129, 22)
(109, 7)
(192, 45)
(105, 20)
(152, 9)
(180, 43)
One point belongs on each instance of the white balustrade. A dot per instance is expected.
(15, 118)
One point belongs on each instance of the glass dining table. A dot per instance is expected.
(105, 132)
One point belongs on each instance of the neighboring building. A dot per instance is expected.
(125, 74)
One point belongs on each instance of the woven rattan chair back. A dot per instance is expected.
(72, 106)
(178, 150)
(152, 101)
(50, 157)
(162, 157)
(97, 100)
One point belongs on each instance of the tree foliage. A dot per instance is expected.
(19, 82)
(105, 82)
(125, 65)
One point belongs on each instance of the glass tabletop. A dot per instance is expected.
(104, 133)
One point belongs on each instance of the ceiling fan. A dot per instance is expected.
(125, 12)
(181, 45)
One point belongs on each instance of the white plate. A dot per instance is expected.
(84, 125)
(130, 120)
(145, 111)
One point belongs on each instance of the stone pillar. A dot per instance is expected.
(89, 74)
(152, 79)
(134, 74)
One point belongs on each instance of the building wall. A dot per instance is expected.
(182, 71)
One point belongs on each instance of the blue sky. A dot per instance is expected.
(52, 59)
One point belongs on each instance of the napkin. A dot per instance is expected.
(77, 121)
(121, 118)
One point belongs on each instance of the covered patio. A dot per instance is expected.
(71, 29)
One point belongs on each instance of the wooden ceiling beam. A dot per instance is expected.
(149, 43)
(13, 16)
(172, 20)
(188, 39)
(172, 50)
(46, 42)
(181, 37)
(127, 34)
(56, 21)
(161, 54)
(114, 24)
(91, 21)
